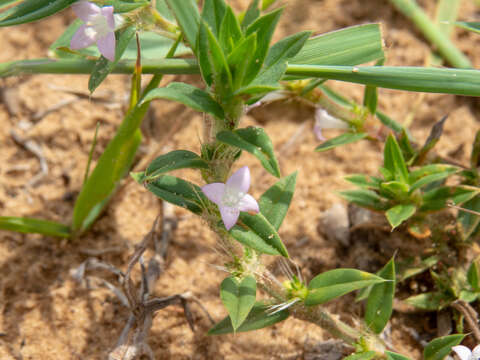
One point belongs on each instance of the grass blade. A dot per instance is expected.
(36, 226)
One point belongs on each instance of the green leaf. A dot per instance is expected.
(230, 33)
(213, 13)
(365, 198)
(475, 155)
(103, 66)
(238, 298)
(440, 347)
(395, 356)
(394, 189)
(389, 122)
(36, 226)
(256, 232)
(413, 267)
(275, 201)
(258, 318)
(32, 10)
(394, 161)
(431, 301)
(112, 166)
(380, 300)
(335, 283)
(468, 223)
(188, 18)
(263, 27)
(473, 276)
(364, 181)
(125, 6)
(286, 48)
(430, 169)
(251, 15)
(174, 160)
(436, 199)
(188, 95)
(240, 57)
(343, 139)
(399, 213)
(469, 25)
(432, 178)
(351, 46)
(370, 97)
(178, 192)
(255, 141)
(433, 138)
(5, 3)
(362, 356)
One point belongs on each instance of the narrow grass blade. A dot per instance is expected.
(36, 226)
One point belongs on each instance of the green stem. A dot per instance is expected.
(434, 80)
(445, 47)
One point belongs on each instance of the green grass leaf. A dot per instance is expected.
(275, 201)
(238, 298)
(188, 95)
(351, 46)
(365, 198)
(258, 318)
(256, 141)
(440, 347)
(395, 356)
(335, 283)
(188, 18)
(394, 161)
(35, 226)
(213, 13)
(431, 301)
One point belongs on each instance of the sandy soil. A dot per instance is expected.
(45, 314)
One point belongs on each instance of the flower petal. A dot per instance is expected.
(107, 12)
(106, 46)
(214, 192)
(85, 10)
(229, 216)
(80, 39)
(462, 351)
(327, 121)
(476, 352)
(317, 130)
(248, 203)
(240, 179)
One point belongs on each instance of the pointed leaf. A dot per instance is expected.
(469, 25)
(258, 318)
(395, 356)
(440, 347)
(399, 213)
(252, 14)
(432, 178)
(188, 95)
(468, 223)
(431, 301)
(174, 160)
(275, 201)
(286, 48)
(32, 10)
(256, 141)
(343, 139)
(394, 161)
(238, 298)
(217, 58)
(362, 356)
(256, 232)
(475, 156)
(436, 199)
(240, 57)
(473, 276)
(335, 283)
(213, 13)
(370, 96)
(178, 192)
(365, 198)
(35, 226)
(350, 46)
(380, 300)
(103, 66)
(188, 18)
(432, 139)
(230, 33)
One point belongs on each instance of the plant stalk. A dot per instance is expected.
(432, 32)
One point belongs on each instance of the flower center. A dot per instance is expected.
(97, 27)
(232, 196)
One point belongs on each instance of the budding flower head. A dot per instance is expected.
(465, 353)
(98, 27)
(232, 196)
(323, 120)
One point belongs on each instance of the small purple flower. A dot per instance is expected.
(465, 353)
(232, 196)
(323, 120)
(98, 27)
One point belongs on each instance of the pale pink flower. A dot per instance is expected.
(464, 353)
(323, 120)
(232, 196)
(98, 27)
